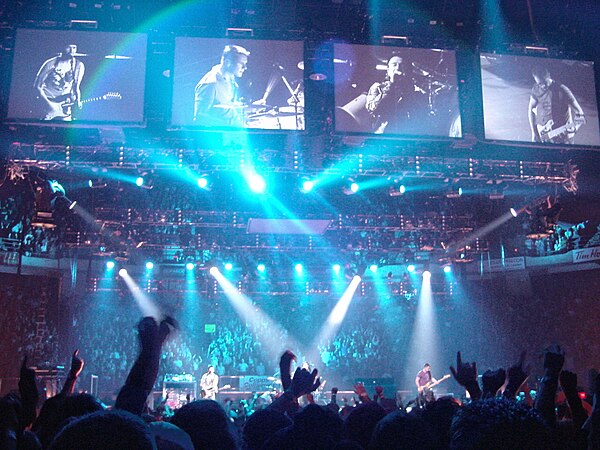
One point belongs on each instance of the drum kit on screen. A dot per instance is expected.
(290, 116)
(267, 117)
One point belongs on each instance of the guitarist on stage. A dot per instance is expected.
(424, 381)
(209, 384)
(552, 106)
(58, 84)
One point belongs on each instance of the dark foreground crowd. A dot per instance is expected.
(495, 417)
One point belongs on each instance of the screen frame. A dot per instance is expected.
(62, 34)
(244, 42)
(397, 136)
(532, 144)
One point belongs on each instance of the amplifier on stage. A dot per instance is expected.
(178, 389)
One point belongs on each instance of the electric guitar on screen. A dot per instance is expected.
(557, 135)
(431, 384)
(61, 107)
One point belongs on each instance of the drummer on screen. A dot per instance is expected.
(216, 100)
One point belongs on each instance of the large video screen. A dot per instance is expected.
(544, 100)
(396, 91)
(233, 84)
(77, 76)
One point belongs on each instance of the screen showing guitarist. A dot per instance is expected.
(58, 84)
(209, 384)
(555, 115)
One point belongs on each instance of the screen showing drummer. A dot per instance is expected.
(232, 85)
(396, 91)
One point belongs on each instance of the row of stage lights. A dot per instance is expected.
(258, 185)
(298, 268)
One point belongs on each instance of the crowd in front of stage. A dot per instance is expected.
(499, 413)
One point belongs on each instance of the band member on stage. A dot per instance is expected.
(552, 106)
(216, 100)
(209, 384)
(58, 84)
(423, 381)
(391, 101)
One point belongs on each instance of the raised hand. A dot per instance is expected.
(76, 364)
(285, 363)
(29, 395)
(517, 375)
(466, 375)
(554, 358)
(304, 382)
(568, 381)
(167, 325)
(148, 332)
(492, 380)
(360, 390)
(27, 387)
(287, 357)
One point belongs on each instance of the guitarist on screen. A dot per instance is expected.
(58, 84)
(554, 113)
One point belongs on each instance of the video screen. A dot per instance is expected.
(543, 100)
(235, 84)
(77, 76)
(396, 91)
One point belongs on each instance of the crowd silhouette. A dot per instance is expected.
(498, 412)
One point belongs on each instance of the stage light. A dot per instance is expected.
(122, 272)
(298, 268)
(149, 265)
(410, 268)
(110, 265)
(214, 271)
(261, 268)
(308, 185)
(447, 269)
(202, 182)
(454, 192)
(90, 183)
(513, 212)
(139, 181)
(256, 183)
(228, 266)
(354, 187)
(373, 268)
(336, 269)
(426, 274)
(402, 189)
(190, 266)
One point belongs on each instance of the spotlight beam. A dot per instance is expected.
(145, 303)
(335, 318)
(243, 306)
(483, 231)
(424, 345)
